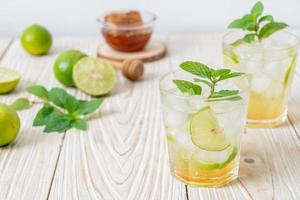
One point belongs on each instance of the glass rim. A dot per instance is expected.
(146, 23)
(162, 89)
(297, 43)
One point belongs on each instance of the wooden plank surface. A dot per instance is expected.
(27, 166)
(124, 155)
(4, 45)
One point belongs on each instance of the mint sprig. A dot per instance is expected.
(257, 26)
(61, 111)
(209, 77)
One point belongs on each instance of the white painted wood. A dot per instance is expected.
(123, 155)
(4, 44)
(27, 165)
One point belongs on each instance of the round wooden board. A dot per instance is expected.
(155, 50)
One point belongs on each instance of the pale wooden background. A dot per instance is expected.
(123, 155)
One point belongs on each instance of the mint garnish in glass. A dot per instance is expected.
(256, 25)
(210, 78)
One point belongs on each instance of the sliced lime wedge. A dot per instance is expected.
(171, 138)
(208, 162)
(94, 76)
(288, 76)
(205, 131)
(9, 80)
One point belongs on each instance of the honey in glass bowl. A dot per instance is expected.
(127, 31)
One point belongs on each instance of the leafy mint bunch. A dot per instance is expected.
(257, 25)
(60, 111)
(210, 78)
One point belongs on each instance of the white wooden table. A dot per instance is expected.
(123, 155)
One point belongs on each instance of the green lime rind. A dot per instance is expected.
(9, 124)
(212, 166)
(9, 79)
(171, 138)
(288, 76)
(205, 131)
(36, 40)
(94, 76)
(63, 66)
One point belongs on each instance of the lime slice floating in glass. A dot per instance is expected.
(94, 76)
(9, 80)
(205, 131)
(214, 160)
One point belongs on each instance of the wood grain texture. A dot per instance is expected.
(123, 154)
(27, 165)
(4, 45)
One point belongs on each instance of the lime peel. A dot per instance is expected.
(9, 80)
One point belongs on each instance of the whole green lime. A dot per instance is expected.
(63, 66)
(36, 40)
(9, 124)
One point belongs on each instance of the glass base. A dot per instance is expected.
(208, 181)
(268, 123)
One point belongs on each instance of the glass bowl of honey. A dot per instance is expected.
(127, 31)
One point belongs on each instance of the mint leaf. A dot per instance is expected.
(209, 84)
(59, 123)
(20, 104)
(197, 69)
(38, 91)
(257, 9)
(61, 111)
(79, 124)
(251, 23)
(230, 98)
(44, 114)
(237, 42)
(231, 75)
(88, 107)
(221, 72)
(238, 23)
(187, 87)
(228, 95)
(271, 28)
(224, 93)
(268, 18)
(63, 100)
(249, 37)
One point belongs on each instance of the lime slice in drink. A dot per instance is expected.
(288, 76)
(214, 160)
(205, 131)
(9, 80)
(94, 76)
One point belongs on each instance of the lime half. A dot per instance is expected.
(205, 131)
(94, 76)
(9, 80)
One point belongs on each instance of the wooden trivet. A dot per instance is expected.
(155, 50)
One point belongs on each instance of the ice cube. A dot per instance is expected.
(176, 102)
(260, 82)
(212, 156)
(196, 103)
(173, 118)
(183, 139)
(277, 69)
(275, 89)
